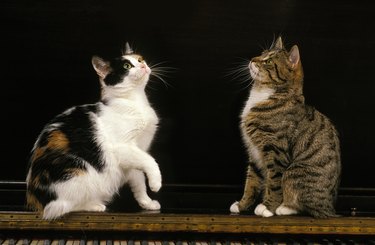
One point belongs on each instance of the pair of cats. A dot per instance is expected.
(84, 155)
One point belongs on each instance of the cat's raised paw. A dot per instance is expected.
(155, 185)
(284, 210)
(234, 208)
(261, 210)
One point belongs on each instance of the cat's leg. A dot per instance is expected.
(251, 190)
(272, 198)
(137, 182)
(132, 157)
(275, 164)
(290, 196)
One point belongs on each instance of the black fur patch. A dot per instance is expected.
(118, 72)
(62, 164)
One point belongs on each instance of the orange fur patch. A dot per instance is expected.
(56, 140)
(76, 171)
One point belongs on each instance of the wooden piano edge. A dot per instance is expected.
(197, 223)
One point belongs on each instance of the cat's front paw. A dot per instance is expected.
(155, 183)
(150, 205)
(261, 210)
(234, 208)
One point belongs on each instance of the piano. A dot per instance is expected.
(190, 215)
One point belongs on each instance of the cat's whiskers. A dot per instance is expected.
(161, 71)
(241, 73)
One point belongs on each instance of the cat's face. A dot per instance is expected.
(277, 67)
(128, 71)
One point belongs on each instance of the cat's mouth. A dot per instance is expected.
(145, 72)
(141, 71)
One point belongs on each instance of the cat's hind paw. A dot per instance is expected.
(284, 210)
(56, 209)
(234, 208)
(98, 207)
(261, 210)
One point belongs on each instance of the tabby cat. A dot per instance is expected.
(294, 152)
(84, 155)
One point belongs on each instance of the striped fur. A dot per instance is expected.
(84, 155)
(294, 151)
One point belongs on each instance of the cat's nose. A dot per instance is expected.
(252, 66)
(252, 63)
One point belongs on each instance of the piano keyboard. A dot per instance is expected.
(284, 241)
(27, 228)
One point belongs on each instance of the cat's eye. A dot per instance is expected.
(140, 59)
(127, 66)
(267, 62)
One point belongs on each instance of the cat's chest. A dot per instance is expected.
(127, 120)
(256, 96)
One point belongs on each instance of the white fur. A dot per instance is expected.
(261, 210)
(234, 208)
(254, 70)
(256, 96)
(126, 126)
(283, 210)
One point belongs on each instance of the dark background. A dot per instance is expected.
(46, 49)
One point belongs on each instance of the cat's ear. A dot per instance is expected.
(101, 66)
(128, 49)
(279, 43)
(294, 56)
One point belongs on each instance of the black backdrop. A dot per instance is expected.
(46, 49)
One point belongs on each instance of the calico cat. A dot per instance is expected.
(294, 150)
(84, 155)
